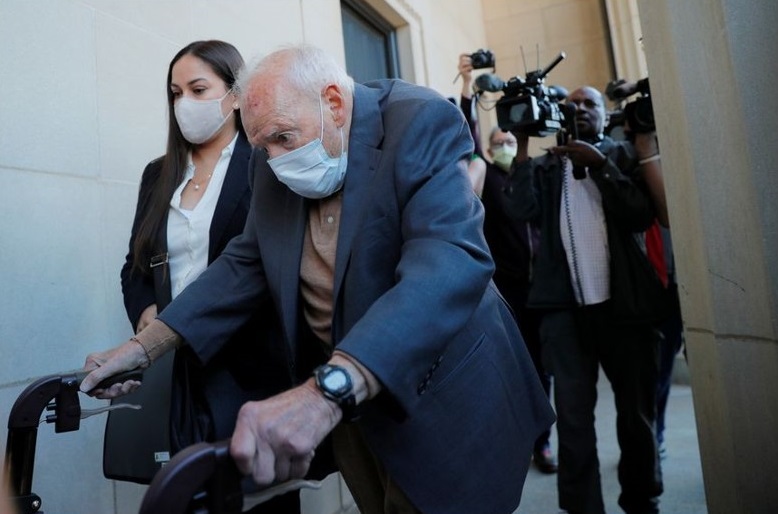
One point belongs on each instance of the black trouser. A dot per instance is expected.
(669, 346)
(529, 325)
(575, 344)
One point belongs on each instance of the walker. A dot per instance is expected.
(201, 479)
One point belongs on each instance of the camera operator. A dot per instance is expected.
(658, 240)
(512, 245)
(598, 296)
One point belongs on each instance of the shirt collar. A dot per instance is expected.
(226, 152)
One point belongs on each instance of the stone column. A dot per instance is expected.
(713, 79)
(625, 32)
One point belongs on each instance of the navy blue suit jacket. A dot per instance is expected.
(414, 302)
(246, 368)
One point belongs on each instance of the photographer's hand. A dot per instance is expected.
(466, 71)
(581, 153)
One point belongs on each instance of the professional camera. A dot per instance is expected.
(527, 106)
(482, 59)
(638, 114)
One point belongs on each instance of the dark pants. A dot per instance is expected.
(529, 325)
(669, 346)
(575, 344)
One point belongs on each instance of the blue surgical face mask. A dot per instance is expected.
(309, 171)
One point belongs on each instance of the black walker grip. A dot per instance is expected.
(124, 376)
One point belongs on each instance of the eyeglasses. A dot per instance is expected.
(497, 144)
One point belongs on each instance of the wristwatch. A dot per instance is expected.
(335, 384)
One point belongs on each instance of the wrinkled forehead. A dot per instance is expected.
(270, 108)
(272, 95)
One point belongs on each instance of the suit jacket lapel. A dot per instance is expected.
(281, 218)
(290, 239)
(236, 183)
(365, 138)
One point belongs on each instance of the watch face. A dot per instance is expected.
(336, 381)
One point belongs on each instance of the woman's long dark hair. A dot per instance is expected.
(225, 60)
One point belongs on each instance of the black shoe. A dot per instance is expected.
(544, 460)
(662, 451)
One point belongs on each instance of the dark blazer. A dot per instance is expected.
(247, 367)
(414, 302)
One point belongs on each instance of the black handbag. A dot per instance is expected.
(174, 413)
(137, 442)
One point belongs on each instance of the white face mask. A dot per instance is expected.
(200, 120)
(503, 156)
(309, 171)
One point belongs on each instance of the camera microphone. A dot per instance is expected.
(557, 93)
(489, 82)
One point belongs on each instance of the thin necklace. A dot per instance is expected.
(198, 184)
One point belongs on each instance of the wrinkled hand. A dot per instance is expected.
(580, 153)
(148, 315)
(125, 357)
(275, 439)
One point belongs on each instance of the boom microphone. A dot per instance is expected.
(489, 82)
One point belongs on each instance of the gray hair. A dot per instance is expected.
(307, 69)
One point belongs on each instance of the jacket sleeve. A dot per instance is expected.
(624, 198)
(437, 268)
(466, 104)
(138, 285)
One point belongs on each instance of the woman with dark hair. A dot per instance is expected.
(192, 201)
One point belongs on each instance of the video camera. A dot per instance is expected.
(638, 114)
(527, 106)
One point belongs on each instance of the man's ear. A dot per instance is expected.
(335, 103)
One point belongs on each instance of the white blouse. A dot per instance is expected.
(188, 231)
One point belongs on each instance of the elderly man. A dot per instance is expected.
(599, 297)
(365, 232)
